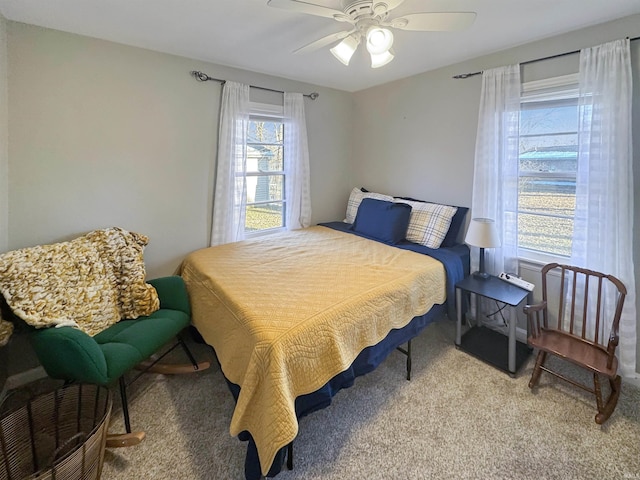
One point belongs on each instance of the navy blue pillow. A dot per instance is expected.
(457, 221)
(382, 220)
(451, 238)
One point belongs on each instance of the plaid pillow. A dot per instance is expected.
(429, 222)
(356, 197)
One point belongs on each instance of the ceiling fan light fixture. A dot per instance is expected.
(379, 40)
(381, 59)
(371, 22)
(345, 49)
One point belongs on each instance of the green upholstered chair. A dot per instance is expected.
(69, 354)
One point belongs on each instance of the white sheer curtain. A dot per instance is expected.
(230, 194)
(296, 161)
(603, 226)
(495, 175)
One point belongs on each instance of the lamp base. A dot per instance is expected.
(481, 275)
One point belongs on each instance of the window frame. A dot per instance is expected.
(556, 89)
(272, 113)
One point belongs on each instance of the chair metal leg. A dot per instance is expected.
(130, 438)
(155, 365)
(125, 404)
(188, 353)
(133, 438)
(117, 440)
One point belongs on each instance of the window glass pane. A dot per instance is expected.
(264, 188)
(547, 195)
(265, 131)
(264, 158)
(548, 138)
(264, 216)
(548, 165)
(549, 153)
(542, 119)
(545, 234)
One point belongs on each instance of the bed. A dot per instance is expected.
(297, 316)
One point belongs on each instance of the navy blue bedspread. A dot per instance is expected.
(456, 263)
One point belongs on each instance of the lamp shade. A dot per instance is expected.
(482, 233)
(381, 59)
(345, 49)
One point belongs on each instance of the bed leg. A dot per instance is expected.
(409, 360)
(407, 352)
(290, 456)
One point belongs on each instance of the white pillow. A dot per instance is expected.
(356, 197)
(429, 222)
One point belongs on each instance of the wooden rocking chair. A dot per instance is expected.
(584, 332)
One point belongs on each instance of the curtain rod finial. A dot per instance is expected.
(201, 77)
(314, 95)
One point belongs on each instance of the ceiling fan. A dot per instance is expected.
(369, 20)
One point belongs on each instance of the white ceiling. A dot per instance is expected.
(250, 35)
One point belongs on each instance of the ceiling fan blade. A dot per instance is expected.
(434, 22)
(324, 41)
(305, 7)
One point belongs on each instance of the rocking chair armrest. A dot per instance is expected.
(70, 354)
(612, 345)
(172, 293)
(534, 318)
(614, 338)
(536, 307)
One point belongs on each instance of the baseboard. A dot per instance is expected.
(635, 380)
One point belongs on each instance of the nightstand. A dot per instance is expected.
(501, 351)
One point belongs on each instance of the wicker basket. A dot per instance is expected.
(58, 435)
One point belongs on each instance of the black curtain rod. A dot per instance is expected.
(203, 77)
(467, 75)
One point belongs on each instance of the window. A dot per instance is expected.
(548, 158)
(265, 176)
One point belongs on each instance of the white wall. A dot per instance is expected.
(102, 134)
(4, 149)
(4, 170)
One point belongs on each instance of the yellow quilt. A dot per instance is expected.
(286, 313)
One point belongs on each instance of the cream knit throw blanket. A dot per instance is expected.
(6, 329)
(90, 282)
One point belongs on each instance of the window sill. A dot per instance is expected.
(539, 259)
(262, 233)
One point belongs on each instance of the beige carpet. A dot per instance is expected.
(458, 418)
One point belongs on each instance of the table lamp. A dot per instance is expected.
(482, 233)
